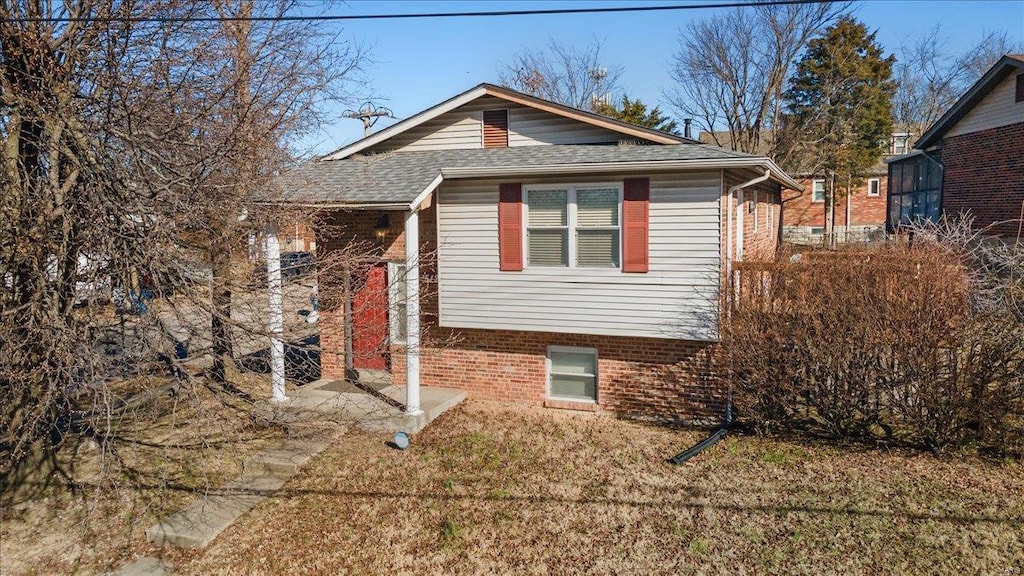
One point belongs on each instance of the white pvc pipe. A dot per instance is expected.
(412, 313)
(275, 317)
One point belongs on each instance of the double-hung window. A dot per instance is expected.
(574, 226)
(819, 191)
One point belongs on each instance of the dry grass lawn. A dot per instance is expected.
(497, 489)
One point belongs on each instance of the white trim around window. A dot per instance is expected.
(814, 191)
(571, 226)
(572, 368)
(874, 187)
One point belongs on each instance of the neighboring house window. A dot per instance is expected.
(819, 190)
(572, 373)
(397, 302)
(817, 230)
(573, 226)
(495, 126)
(874, 186)
(752, 208)
(1019, 95)
(899, 143)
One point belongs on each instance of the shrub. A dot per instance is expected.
(920, 344)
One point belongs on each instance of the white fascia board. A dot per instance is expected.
(408, 123)
(483, 172)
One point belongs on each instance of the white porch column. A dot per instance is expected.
(412, 313)
(275, 317)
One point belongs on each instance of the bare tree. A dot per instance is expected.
(565, 74)
(731, 68)
(133, 136)
(930, 78)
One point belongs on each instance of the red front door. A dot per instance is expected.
(370, 319)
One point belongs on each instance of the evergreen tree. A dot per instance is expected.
(636, 112)
(839, 107)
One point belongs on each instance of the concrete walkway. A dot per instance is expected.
(199, 523)
(204, 519)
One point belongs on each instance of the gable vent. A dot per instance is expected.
(495, 128)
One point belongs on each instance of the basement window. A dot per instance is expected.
(572, 374)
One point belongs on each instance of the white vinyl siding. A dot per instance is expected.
(572, 374)
(677, 297)
(462, 128)
(532, 127)
(996, 109)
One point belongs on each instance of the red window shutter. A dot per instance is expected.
(510, 227)
(636, 200)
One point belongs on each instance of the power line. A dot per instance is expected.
(493, 13)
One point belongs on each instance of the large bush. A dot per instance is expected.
(919, 343)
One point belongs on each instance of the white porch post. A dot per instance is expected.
(412, 313)
(275, 317)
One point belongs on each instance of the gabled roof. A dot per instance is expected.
(515, 97)
(996, 74)
(400, 179)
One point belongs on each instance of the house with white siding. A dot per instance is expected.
(531, 252)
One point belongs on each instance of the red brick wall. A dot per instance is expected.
(764, 241)
(649, 377)
(338, 230)
(984, 175)
(801, 210)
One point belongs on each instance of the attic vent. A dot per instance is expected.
(1020, 88)
(495, 128)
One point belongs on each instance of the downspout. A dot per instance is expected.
(738, 192)
(727, 423)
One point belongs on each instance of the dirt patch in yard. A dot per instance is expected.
(498, 489)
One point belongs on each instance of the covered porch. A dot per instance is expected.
(370, 333)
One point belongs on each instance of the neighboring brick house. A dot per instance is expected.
(859, 217)
(537, 253)
(971, 161)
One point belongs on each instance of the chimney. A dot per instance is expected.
(686, 127)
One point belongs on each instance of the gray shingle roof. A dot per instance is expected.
(398, 177)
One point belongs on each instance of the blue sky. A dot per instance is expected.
(418, 63)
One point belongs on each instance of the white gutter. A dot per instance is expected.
(641, 165)
(738, 192)
(415, 204)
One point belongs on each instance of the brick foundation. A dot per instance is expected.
(648, 377)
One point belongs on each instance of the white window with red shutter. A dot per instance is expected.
(573, 226)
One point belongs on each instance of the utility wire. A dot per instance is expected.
(494, 13)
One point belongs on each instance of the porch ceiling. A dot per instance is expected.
(399, 177)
